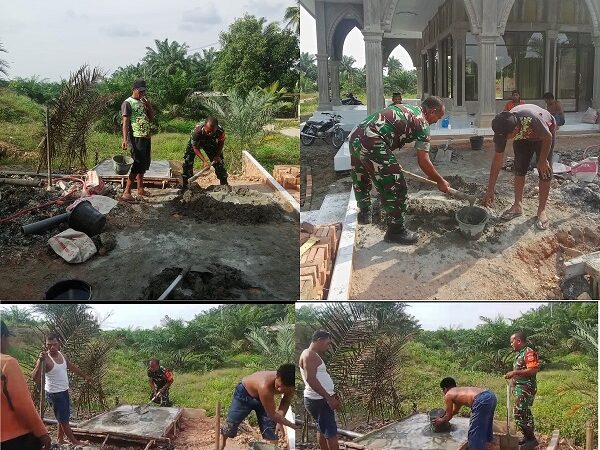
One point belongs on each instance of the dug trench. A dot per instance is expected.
(511, 260)
(236, 236)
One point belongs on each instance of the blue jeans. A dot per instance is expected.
(61, 405)
(242, 405)
(481, 424)
(323, 415)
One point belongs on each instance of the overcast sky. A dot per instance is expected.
(435, 315)
(354, 44)
(50, 39)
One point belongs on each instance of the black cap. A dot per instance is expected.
(5, 331)
(503, 124)
(139, 85)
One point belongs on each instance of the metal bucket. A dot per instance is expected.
(122, 164)
(471, 221)
(69, 290)
(435, 414)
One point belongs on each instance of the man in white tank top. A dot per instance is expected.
(57, 384)
(320, 399)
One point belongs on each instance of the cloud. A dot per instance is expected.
(201, 18)
(78, 16)
(122, 31)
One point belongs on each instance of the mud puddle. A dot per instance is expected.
(218, 204)
(218, 281)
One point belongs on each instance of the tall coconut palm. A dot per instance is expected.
(292, 17)
(3, 63)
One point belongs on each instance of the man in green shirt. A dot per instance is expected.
(373, 162)
(137, 114)
(524, 383)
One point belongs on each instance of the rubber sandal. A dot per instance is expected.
(130, 199)
(508, 216)
(542, 224)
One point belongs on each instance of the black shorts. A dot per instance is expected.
(524, 150)
(25, 442)
(140, 152)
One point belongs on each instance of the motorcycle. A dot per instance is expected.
(329, 130)
(351, 100)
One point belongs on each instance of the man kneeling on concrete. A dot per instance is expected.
(533, 130)
(483, 405)
(257, 393)
(210, 137)
(373, 162)
(160, 380)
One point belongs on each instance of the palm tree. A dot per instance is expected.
(275, 343)
(167, 58)
(393, 64)
(292, 17)
(3, 63)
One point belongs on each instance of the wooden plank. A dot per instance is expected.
(308, 244)
(576, 266)
(553, 444)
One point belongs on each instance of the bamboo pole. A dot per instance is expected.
(218, 427)
(589, 436)
(48, 146)
(42, 388)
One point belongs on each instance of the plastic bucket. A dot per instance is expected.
(434, 414)
(476, 142)
(471, 221)
(87, 219)
(122, 164)
(69, 290)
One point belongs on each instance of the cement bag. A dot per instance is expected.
(73, 246)
(590, 116)
(93, 184)
(102, 203)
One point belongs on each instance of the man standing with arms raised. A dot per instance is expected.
(57, 384)
(319, 391)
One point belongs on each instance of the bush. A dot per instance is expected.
(177, 125)
(16, 108)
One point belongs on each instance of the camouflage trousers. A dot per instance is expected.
(524, 396)
(374, 163)
(188, 165)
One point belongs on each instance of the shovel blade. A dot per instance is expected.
(508, 442)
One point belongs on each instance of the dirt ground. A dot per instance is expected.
(196, 431)
(512, 260)
(325, 180)
(252, 246)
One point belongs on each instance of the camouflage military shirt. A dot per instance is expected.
(526, 358)
(398, 124)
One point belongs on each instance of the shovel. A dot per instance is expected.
(143, 409)
(461, 195)
(202, 172)
(508, 442)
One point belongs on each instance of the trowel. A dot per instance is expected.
(508, 442)
(461, 195)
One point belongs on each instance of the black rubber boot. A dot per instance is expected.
(399, 234)
(529, 441)
(224, 182)
(365, 217)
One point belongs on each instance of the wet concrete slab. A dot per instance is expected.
(415, 433)
(126, 420)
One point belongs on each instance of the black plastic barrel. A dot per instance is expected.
(476, 142)
(69, 290)
(87, 219)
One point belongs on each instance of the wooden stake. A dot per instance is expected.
(104, 443)
(589, 436)
(42, 388)
(48, 146)
(218, 427)
(149, 444)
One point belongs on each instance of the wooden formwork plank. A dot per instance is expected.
(553, 444)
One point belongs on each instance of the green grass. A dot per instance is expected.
(424, 369)
(309, 106)
(21, 125)
(128, 382)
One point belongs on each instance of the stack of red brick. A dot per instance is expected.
(316, 262)
(287, 176)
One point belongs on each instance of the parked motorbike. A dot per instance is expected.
(328, 130)
(351, 100)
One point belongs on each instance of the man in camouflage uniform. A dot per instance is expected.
(525, 367)
(210, 137)
(373, 162)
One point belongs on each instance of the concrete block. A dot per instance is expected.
(577, 266)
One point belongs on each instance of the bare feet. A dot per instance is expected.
(127, 197)
(143, 193)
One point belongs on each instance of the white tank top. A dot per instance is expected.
(323, 377)
(57, 379)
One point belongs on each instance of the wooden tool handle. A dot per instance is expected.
(451, 191)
